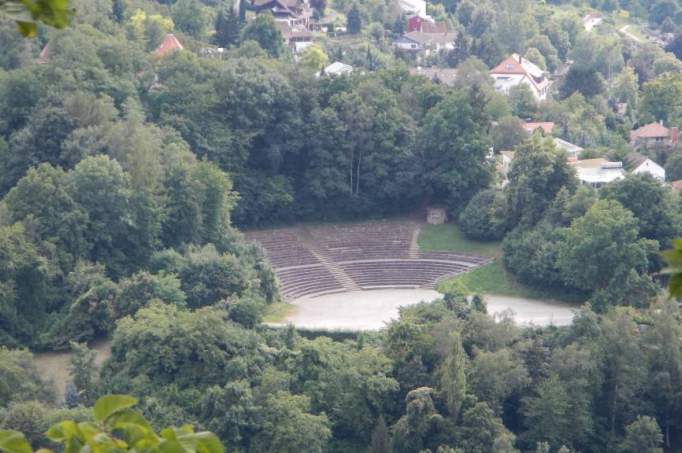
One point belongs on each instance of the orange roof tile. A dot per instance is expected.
(546, 126)
(677, 185)
(169, 44)
(651, 130)
(510, 65)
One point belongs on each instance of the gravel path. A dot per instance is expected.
(371, 310)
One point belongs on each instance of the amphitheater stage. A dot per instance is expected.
(371, 310)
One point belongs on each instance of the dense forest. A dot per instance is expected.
(127, 175)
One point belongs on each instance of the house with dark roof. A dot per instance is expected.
(516, 70)
(293, 12)
(640, 164)
(654, 135)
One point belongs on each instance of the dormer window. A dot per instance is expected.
(509, 67)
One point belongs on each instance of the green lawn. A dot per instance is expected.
(494, 279)
(448, 237)
(278, 312)
(488, 279)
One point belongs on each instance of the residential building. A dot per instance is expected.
(296, 37)
(292, 12)
(417, 41)
(597, 172)
(406, 44)
(654, 135)
(417, 7)
(169, 45)
(425, 25)
(639, 164)
(571, 149)
(445, 76)
(677, 185)
(337, 69)
(515, 70)
(546, 127)
(592, 20)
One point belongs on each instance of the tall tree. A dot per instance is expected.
(453, 376)
(354, 20)
(264, 31)
(454, 145)
(227, 28)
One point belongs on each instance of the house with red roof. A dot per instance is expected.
(425, 25)
(44, 55)
(545, 126)
(169, 44)
(677, 185)
(654, 135)
(515, 70)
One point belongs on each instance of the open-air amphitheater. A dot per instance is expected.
(316, 260)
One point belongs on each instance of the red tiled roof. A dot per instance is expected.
(510, 65)
(44, 55)
(169, 44)
(677, 185)
(651, 130)
(546, 126)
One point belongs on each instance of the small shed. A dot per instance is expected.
(436, 216)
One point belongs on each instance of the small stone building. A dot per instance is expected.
(436, 216)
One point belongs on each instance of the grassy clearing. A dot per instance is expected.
(448, 238)
(494, 279)
(488, 279)
(278, 312)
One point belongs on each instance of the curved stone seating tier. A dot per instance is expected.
(373, 240)
(452, 256)
(283, 248)
(419, 273)
(314, 260)
(307, 280)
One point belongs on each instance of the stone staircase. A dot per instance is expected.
(414, 245)
(339, 274)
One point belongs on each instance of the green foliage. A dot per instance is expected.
(117, 427)
(538, 172)
(354, 20)
(454, 148)
(674, 260)
(485, 216)
(264, 31)
(29, 14)
(600, 250)
(643, 435)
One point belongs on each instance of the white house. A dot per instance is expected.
(515, 70)
(416, 41)
(413, 7)
(592, 20)
(337, 69)
(571, 149)
(407, 44)
(640, 164)
(597, 172)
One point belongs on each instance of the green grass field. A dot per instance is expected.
(488, 279)
(448, 237)
(494, 279)
(277, 312)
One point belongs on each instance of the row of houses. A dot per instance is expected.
(599, 171)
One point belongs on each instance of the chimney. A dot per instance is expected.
(520, 59)
(674, 135)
